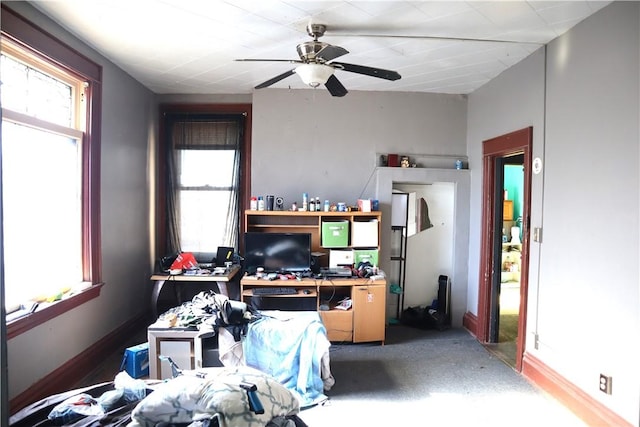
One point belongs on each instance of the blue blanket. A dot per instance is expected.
(289, 347)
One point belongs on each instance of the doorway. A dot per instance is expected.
(504, 260)
(429, 247)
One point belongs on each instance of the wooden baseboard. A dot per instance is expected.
(584, 406)
(64, 377)
(470, 322)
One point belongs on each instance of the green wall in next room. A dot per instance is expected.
(514, 184)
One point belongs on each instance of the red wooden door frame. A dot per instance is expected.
(514, 143)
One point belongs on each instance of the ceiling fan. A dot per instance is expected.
(317, 65)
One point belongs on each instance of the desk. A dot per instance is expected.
(363, 322)
(220, 280)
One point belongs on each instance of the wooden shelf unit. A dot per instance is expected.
(365, 321)
(308, 222)
(507, 210)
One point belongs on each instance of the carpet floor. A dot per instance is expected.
(418, 377)
(431, 378)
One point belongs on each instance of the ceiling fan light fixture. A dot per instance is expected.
(314, 75)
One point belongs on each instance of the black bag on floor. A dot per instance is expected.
(413, 316)
(423, 318)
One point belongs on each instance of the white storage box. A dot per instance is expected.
(186, 347)
(340, 257)
(364, 234)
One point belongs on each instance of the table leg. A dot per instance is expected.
(178, 290)
(155, 294)
(222, 287)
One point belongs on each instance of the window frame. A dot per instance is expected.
(245, 166)
(49, 49)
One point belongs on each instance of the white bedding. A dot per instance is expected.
(291, 346)
(189, 398)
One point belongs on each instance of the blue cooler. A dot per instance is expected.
(136, 361)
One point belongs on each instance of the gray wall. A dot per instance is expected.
(308, 141)
(583, 295)
(128, 119)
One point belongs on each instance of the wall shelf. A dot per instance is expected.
(434, 161)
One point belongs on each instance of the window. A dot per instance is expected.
(204, 163)
(49, 148)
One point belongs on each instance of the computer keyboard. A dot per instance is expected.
(274, 291)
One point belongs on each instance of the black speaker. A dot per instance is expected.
(315, 262)
(444, 298)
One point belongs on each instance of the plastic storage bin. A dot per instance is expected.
(335, 234)
(364, 233)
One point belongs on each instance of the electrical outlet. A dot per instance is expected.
(605, 383)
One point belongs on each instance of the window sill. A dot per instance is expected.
(44, 314)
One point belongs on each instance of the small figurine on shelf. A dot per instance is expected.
(506, 266)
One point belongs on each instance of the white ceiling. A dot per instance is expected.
(189, 46)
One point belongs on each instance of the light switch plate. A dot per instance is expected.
(537, 234)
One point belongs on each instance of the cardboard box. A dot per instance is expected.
(340, 257)
(365, 255)
(136, 361)
(335, 234)
(364, 233)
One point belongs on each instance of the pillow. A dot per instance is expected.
(188, 398)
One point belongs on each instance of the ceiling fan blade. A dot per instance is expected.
(292, 61)
(330, 52)
(335, 87)
(368, 71)
(276, 79)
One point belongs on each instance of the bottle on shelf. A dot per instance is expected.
(312, 205)
(260, 203)
(326, 206)
(305, 201)
(254, 203)
(318, 205)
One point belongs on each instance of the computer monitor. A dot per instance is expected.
(224, 255)
(277, 252)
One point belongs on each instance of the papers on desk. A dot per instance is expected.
(345, 304)
(205, 271)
